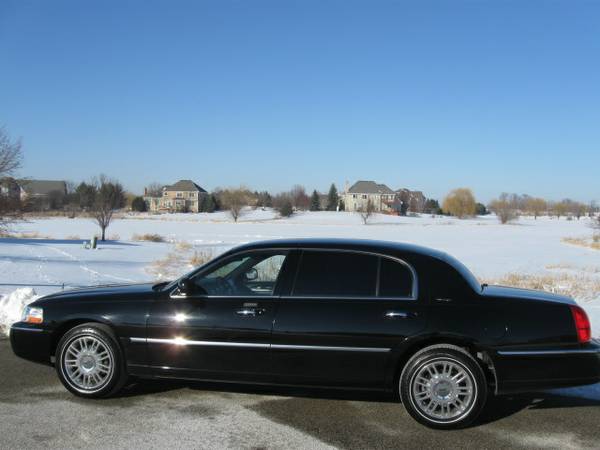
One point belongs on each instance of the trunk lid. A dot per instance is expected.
(525, 294)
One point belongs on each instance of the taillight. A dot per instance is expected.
(582, 324)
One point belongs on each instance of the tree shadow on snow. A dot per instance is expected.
(45, 241)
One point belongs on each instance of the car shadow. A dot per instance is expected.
(504, 406)
(148, 387)
(497, 408)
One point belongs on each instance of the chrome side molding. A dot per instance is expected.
(185, 342)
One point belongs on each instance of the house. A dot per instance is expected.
(54, 190)
(183, 196)
(358, 195)
(9, 188)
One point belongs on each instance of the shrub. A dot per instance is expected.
(504, 208)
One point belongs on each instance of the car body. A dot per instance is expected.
(351, 314)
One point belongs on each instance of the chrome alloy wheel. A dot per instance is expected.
(443, 390)
(88, 363)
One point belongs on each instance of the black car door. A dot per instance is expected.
(223, 329)
(343, 315)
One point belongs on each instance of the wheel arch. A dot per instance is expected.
(71, 323)
(480, 354)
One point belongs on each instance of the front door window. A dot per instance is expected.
(250, 274)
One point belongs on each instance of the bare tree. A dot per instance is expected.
(234, 200)
(154, 189)
(366, 211)
(536, 206)
(560, 208)
(300, 199)
(109, 197)
(505, 208)
(10, 160)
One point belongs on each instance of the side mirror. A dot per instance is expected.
(251, 274)
(185, 286)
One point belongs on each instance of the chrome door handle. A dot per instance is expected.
(251, 312)
(396, 315)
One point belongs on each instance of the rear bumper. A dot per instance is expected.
(31, 342)
(534, 369)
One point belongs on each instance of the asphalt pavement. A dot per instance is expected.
(37, 412)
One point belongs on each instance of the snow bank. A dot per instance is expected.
(12, 305)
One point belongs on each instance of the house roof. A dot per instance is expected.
(43, 187)
(369, 187)
(184, 185)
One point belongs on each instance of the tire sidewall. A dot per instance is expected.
(467, 362)
(106, 337)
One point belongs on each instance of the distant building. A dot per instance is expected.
(358, 195)
(183, 196)
(42, 189)
(413, 201)
(9, 187)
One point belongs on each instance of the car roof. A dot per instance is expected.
(384, 247)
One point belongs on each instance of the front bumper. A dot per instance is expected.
(519, 370)
(31, 342)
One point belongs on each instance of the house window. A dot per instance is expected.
(165, 194)
(364, 196)
(180, 194)
(191, 194)
(353, 195)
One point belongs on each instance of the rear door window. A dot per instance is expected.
(336, 274)
(395, 279)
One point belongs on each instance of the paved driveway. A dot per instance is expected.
(36, 412)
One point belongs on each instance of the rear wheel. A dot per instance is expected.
(443, 387)
(89, 361)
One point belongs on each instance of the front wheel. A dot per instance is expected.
(89, 361)
(443, 387)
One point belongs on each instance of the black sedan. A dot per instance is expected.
(330, 313)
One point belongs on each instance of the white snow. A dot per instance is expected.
(489, 249)
(12, 305)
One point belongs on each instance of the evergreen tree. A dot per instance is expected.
(333, 198)
(138, 204)
(208, 204)
(315, 201)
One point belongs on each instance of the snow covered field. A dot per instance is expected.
(56, 256)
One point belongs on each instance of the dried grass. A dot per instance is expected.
(183, 246)
(25, 235)
(592, 243)
(201, 257)
(178, 263)
(581, 287)
(149, 237)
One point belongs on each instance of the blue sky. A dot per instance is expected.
(430, 95)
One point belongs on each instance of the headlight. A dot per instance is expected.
(33, 315)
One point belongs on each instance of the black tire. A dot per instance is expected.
(108, 382)
(463, 400)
